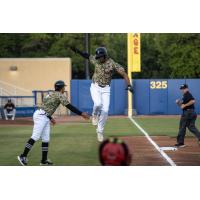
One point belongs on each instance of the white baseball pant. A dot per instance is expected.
(101, 99)
(10, 114)
(41, 128)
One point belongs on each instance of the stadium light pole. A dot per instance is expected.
(87, 49)
(129, 61)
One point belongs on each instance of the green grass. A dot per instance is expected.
(71, 144)
(162, 126)
(76, 144)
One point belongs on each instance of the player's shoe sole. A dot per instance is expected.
(179, 145)
(21, 161)
(46, 163)
(41, 164)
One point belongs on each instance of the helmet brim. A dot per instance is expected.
(99, 56)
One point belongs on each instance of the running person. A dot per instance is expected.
(100, 87)
(42, 118)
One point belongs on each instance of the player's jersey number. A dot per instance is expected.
(158, 84)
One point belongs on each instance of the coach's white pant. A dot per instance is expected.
(10, 114)
(101, 99)
(41, 128)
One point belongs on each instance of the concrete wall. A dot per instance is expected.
(35, 73)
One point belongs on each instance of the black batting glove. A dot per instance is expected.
(129, 88)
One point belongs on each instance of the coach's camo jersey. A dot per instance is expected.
(103, 71)
(52, 101)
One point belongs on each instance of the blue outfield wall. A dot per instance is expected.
(25, 111)
(81, 98)
(151, 97)
(21, 111)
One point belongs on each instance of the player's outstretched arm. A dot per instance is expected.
(53, 121)
(126, 78)
(83, 54)
(76, 111)
(85, 115)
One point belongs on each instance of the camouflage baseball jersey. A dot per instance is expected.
(52, 101)
(103, 71)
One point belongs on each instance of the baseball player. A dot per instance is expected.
(100, 87)
(42, 118)
(188, 116)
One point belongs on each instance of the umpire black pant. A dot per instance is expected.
(187, 120)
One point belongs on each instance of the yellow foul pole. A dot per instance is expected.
(134, 62)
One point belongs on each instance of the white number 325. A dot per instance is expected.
(158, 84)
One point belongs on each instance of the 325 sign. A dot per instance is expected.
(158, 84)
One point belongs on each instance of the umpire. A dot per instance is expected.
(188, 116)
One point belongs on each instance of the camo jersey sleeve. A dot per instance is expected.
(118, 67)
(63, 99)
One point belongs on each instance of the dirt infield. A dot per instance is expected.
(59, 119)
(19, 121)
(187, 156)
(144, 153)
(29, 120)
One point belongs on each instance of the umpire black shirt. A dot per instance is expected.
(186, 98)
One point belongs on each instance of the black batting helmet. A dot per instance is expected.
(114, 152)
(59, 85)
(101, 52)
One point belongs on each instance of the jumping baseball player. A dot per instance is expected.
(100, 87)
(42, 118)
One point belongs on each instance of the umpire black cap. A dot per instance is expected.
(183, 86)
(59, 85)
(101, 52)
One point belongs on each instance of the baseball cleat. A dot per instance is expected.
(100, 137)
(22, 160)
(46, 162)
(180, 145)
(95, 120)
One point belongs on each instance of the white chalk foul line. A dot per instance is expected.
(164, 155)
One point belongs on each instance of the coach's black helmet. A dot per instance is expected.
(101, 52)
(59, 85)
